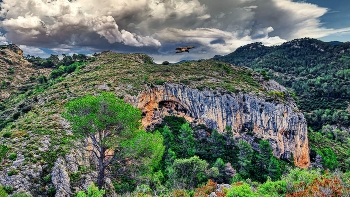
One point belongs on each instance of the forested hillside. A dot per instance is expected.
(136, 128)
(317, 71)
(319, 74)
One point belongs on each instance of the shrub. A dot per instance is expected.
(7, 134)
(241, 190)
(181, 193)
(3, 151)
(21, 194)
(159, 82)
(8, 189)
(57, 73)
(3, 193)
(93, 191)
(321, 186)
(12, 172)
(10, 71)
(42, 79)
(273, 189)
(52, 191)
(12, 156)
(165, 63)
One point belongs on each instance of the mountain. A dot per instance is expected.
(225, 105)
(318, 72)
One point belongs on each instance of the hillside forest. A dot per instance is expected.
(76, 106)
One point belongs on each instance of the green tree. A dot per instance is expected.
(188, 173)
(244, 156)
(186, 144)
(220, 165)
(145, 152)
(262, 160)
(274, 169)
(109, 123)
(329, 159)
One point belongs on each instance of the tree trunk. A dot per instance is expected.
(101, 172)
(101, 176)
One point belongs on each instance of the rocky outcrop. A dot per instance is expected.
(247, 116)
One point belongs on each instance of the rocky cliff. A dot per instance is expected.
(246, 115)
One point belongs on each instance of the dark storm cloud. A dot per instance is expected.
(156, 26)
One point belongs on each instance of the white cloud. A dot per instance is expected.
(34, 51)
(214, 27)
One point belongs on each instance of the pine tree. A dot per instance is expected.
(262, 160)
(274, 169)
(245, 156)
(186, 142)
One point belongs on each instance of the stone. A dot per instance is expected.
(60, 179)
(248, 115)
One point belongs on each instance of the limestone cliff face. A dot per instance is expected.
(246, 115)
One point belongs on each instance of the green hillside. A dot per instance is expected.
(42, 154)
(317, 71)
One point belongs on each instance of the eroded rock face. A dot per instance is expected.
(247, 116)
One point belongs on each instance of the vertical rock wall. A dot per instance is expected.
(247, 116)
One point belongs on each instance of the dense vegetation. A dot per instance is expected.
(318, 72)
(176, 158)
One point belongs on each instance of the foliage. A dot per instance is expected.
(7, 134)
(107, 117)
(320, 186)
(12, 156)
(241, 190)
(329, 159)
(66, 69)
(186, 142)
(245, 157)
(3, 151)
(188, 173)
(92, 191)
(207, 189)
(317, 71)
(334, 150)
(21, 194)
(3, 193)
(273, 189)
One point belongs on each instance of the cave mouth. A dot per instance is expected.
(172, 107)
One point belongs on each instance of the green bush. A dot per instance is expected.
(57, 73)
(329, 159)
(3, 193)
(93, 191)
(8, 189)
(241, 190)
(7, 134)
(3, 151)
(159, 82)
(12, 156)
(21, 194)
(12, 172)
(51, 191)
(273, 189)
(42, 79)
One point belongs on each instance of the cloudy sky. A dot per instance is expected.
(156, 27)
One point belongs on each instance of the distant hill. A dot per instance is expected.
(318, 72)
(335, 43)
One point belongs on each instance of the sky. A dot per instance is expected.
(157, 27)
